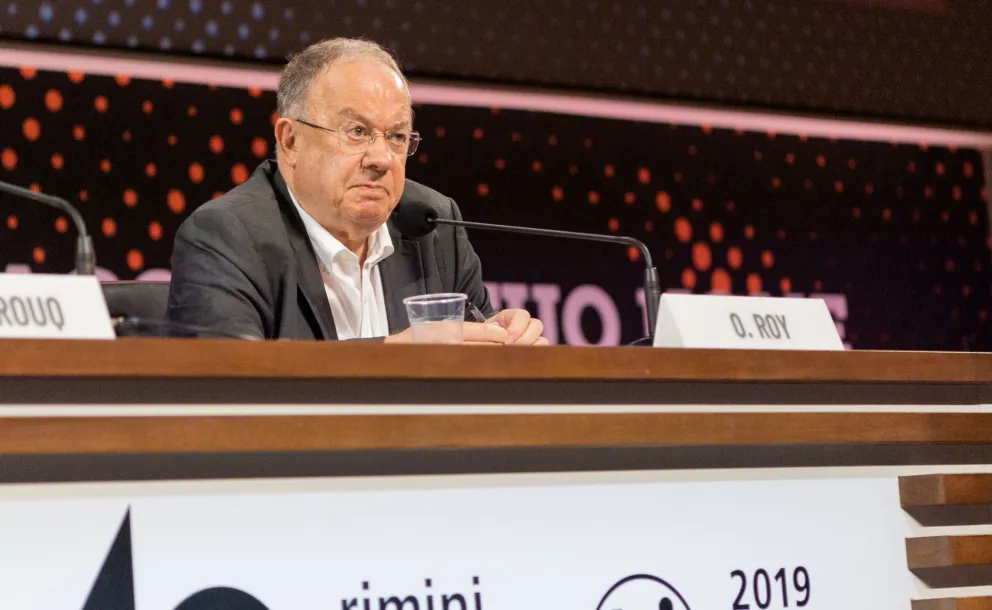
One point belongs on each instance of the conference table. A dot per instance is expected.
(194, 474)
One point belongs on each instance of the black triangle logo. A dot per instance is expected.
(113, 588)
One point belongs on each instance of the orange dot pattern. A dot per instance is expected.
(260, 147)
(130, 198)
(195, 173)
(31, 129)
(8, 158)
(176, 201)
(53, 100)
(125, 151)
(239, 173)
(7, 97)
(721, 210)
(135, 260)
(155, 230)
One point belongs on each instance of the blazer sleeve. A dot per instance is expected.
(468, 268)
(218, 279)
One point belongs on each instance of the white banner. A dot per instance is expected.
(51, 552)
(743, 545)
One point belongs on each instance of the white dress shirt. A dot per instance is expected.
(354, 290)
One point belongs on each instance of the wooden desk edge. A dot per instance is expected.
(176, 358)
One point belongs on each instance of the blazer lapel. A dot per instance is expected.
(402, 275)
(311, 285)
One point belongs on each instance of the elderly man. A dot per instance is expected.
(305, 248)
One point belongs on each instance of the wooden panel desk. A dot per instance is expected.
(141, 410)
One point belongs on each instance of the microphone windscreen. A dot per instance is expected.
(414, 219)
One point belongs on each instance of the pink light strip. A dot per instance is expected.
(223, 74)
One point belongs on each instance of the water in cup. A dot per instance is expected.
(443, 331)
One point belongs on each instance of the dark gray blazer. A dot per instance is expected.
(243, 264)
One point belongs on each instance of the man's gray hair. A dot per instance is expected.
(304, 68)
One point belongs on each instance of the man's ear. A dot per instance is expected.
(286, 140)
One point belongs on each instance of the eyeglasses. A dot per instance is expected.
(357, 138)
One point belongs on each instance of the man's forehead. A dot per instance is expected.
(362, 86)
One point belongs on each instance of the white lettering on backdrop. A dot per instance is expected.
(548, 301)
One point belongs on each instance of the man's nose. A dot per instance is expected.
(379, 155)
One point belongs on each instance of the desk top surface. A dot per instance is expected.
(288, 360)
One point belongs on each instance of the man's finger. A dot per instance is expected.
(532, 332)
(484, 333)
(514, 321)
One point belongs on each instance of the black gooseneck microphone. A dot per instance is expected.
(85, 256)
(415, 219)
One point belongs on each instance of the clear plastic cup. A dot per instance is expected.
(436, 318)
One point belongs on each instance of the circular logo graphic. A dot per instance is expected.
(642, 592)
(221, 598)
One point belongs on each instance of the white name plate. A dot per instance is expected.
(733, 322)
(40, 306)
